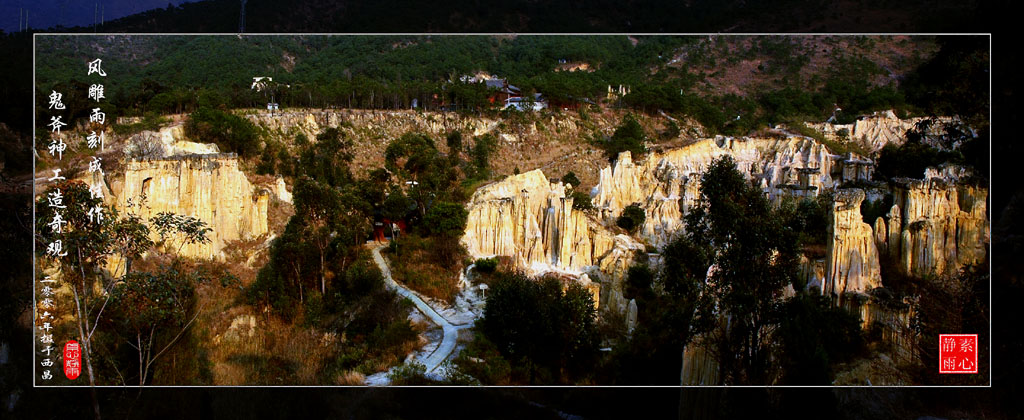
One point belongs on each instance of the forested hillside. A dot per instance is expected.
(729, 84)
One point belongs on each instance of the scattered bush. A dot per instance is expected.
(412, 373)
(632, 217)
(628, 137)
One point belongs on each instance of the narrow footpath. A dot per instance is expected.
(451, 331)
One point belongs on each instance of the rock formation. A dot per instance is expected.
(937, 226)
(281, 190)
(667, 184)
(207, 186)
(699, 366)
(812, 272)
(851, 253)
(169, 141)
(531, 220)
(876, 130)
(631, 314)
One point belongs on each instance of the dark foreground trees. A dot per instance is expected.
(721, 287)
(548, 335)
(734, 228)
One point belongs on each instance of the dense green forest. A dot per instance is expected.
(160, 75)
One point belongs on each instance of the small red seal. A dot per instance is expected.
(958, 353)
(72, 360)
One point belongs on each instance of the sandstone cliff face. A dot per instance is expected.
(851, 252)
(874, 131)
(531, 220)
(667, 184)
(210, 187)
(937, 226)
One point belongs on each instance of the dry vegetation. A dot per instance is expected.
(554, 141)
(739, 65)
(414, 263)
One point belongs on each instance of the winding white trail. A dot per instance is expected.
(451, 331)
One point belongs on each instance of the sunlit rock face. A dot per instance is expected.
(851, 253)
(529, 218)
(168, 142)
(876, 130)
(209, 187)
(667, 184)
(936, 226)
(372, 124)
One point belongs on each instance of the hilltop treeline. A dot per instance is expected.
(180, 74)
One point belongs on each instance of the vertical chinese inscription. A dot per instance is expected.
(55, 227)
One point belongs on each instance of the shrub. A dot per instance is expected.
(230, 132)
(571, 179)
(412, 373)
(482, 361)
(671, 131)
(446, 219)
(581, 201)
(632, 217)
(628, 137)
(486, 265)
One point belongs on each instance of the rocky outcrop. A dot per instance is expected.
(209, 187)
(851, 252)
(937, 226)
(168, 142)
(531, 219)
(876, 130)
(280, 190)
(382, 124)
(667, 184)
(892, 321)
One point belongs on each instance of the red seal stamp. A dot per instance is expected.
(72, 360)
(958, 353)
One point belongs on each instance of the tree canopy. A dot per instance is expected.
(548, 333)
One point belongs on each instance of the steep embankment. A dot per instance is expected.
(936, 226)
(206, 186)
